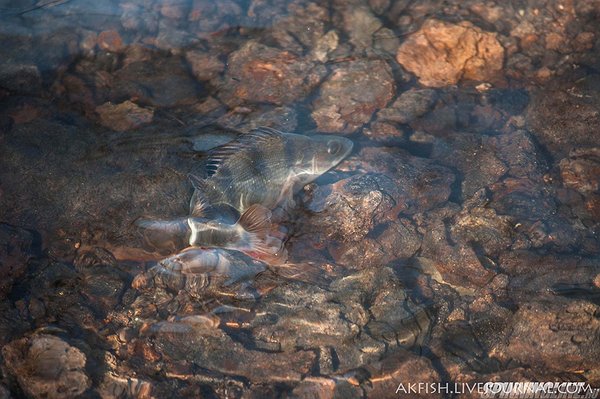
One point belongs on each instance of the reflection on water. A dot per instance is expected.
(458, 242)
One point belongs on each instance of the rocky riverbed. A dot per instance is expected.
(457, 243)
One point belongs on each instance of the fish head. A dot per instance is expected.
(317, 154)
(192, 261)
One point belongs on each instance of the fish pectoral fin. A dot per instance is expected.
(257, 221)
(270, 251)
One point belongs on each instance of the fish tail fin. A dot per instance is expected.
(163, 235)
(256, 221)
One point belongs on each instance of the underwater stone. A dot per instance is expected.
(14, 255)
(442, 54)
(124, 116)
(257, 73)
(352, 94)
(45, 366)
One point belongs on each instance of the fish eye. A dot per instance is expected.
(333, 147)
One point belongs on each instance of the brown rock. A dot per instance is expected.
(584, 41)
(442, 54)
(563, 115)
(163, 82)
(554, 41)
(257, 73)
(216, 351)
(558, 335)
(15, 251)
(124, 116)
(391, 377)
(204, 66)
(317, 388)
(352, 94)
(110, 40)
(173, 9)
(457, 263)
(360, 25)
(581, 171)
(46, 367)
(409, 106)
(397, 240)
(384, 132)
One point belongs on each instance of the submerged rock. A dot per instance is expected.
(214, 350)
(409, 106)
(303, 26)
(442, 54)
(164, 82)
(124, 116)
(354, 321)
(395, 374)
(205, 66)
(257, 73)
(557, 335)
(15, 251)
(45, 366)
(563, 114)
(457, 263)
(360, 25)
(581, 171)
(20, 78)
(352, 94)
(110, 40)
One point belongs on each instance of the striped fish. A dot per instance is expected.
(250, 233)
(266, 167)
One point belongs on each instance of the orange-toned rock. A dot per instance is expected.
(442, 54)
(124, 116)
(110, 40)
(46, 366)
(554, 41)
(398, 374)
(584, 41)
(262, 74)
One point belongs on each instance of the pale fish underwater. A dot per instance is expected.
(250, 233)
(250, 175)
(267, 167)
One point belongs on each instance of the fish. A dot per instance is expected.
(200, 271)
(250, 233)
(266, 167)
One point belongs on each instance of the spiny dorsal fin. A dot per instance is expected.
(255, 137)
(257, 221)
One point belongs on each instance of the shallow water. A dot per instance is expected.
(458, 243)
